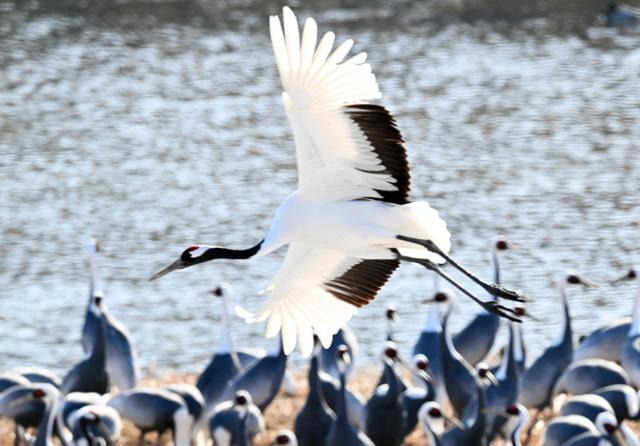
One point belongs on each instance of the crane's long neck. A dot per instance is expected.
(98, 354)
(45, 428)
(508, 360)
(496, 267)
(341, 406)
(228, 253)
(564, 336)
(433, 323)
(635, 324)
(315, 396)
(225, 345)
(95, 284)
(515, 434)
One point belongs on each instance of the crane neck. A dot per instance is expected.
(496, 266)
(315, 396)
(565, 333)
(227, 253)
(433, 323)
(45, 428)
(98, 354)
(225, 344)
(341, 406)
(95, 284)
(508, 360)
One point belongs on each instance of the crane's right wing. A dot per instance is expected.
(318, 291)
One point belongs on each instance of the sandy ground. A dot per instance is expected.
(281, 413)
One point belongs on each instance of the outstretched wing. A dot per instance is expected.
(346, 147)
(318, 291)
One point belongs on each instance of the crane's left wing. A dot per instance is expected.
(347, 148)
(318, 291)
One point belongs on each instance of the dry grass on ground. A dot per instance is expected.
(281, 414)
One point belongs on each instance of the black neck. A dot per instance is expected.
(226, 253)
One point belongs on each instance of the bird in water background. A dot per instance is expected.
(350, 222)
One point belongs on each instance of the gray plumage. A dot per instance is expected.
(355, 403)
(505, 393)
(191, 396)
(327, 358)
(604, 342)
(77, 400)
(561, 429)
(459, 376)
(588, 375)
(342, 432)
(10, 379)
(609, 432)
(475, 340)
(155, 410)
(39, 375)
(429, 344)
(623, 399)
(472, 433)
(262, 379)
(226, 421)
(589, 406)
(314, 420)
(96, 424)
(121, 355)
(384, 414)
(90, 374)
(540, 378)
(28, 414)
(20, 400)
(414, 397)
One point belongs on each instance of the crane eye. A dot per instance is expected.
(423, 365)
(519, 311)
(282, 439)
(610, 427)
(440, 296)
(39, 393)
(186, 255)
(512, 410)
(435, 412)
(573, 279)
(502, 245)
(390, 352)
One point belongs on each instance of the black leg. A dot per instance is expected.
(490, 306)
(495, 290)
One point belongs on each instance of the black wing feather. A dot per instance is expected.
(360, 284)
(380, 129)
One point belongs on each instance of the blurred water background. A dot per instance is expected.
(155, 124)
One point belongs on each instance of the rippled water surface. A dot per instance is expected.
(153, 139)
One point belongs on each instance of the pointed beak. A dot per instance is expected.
(459, 424)
(589, 284)
(178, 264)
(631, 275)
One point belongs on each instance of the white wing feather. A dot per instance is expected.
(335, 159)
(299, 304)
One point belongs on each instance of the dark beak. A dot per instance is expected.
(178, 264)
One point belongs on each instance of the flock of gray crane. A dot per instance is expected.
(446, 389)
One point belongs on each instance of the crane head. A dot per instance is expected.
(193, 255)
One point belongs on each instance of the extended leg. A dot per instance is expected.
(490, 306)
(495, 290)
